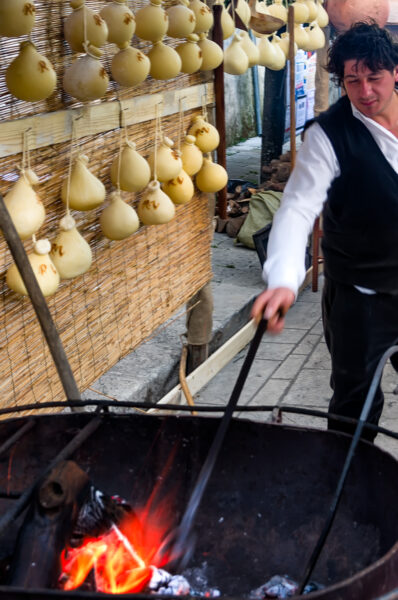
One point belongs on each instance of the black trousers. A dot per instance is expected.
(358, 330)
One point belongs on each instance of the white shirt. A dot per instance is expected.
(305, 193)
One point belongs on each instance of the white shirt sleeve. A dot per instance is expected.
(305, 193)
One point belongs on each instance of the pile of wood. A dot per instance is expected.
(275, 176)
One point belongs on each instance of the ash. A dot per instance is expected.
(166, 584)
(281, 587)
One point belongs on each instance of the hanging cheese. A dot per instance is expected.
(284, 43)
(190, 54)
(30, 76)
(312, 10)
(191, 156)
(17, 17)
(203, 15)
(180, 189)
(130, 66)
(301, 36)
(182, 20)
(243, 10)
(155, 207)
(168, 162)
(165, 61)
(120, 21)
(250, 48)
(322, 18)
(316, 37)
(267, 52)
(135, 171)
(84, 25)
(211, 177)
(280, 58)
(151, 22)
(118, 220)
(24, 205)
(43, 268)
(227, 22)
(236, 61)
(278, 10)
(70, 252)
(207, 136)
(212, 54)
(86, 191)
(86, 79)
(301, 11)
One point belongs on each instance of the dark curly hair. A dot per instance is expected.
(364, 42)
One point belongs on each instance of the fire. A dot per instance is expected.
(123, 559)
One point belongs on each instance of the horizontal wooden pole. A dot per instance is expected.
(51, 128)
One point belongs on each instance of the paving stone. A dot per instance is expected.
(307, 344)
(310, 389)
(320, 357)
(288, 336)
(270, 393)
(290, 367)
(273, 351)
(303, 315)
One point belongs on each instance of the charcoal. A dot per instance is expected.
(281, 587)
(166, 584)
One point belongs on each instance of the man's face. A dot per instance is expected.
(370, 92)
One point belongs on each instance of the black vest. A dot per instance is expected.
(360, 217)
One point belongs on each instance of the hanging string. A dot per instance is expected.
(180, 121)
(72, 141)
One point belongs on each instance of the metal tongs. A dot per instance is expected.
(180, 542)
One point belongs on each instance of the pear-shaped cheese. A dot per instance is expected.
(203, 15)
(212, 54)
(43, 268)
(277, 10)
(190, 54)
(236, 61)
(284, 43)
(165, 61)
(211, 177)
(25, 207)
(168, 161)
(118, 220)
(267, 52)
(244, 12)
(316, 37)
(151, 22)
(130, 66)
(96, 28)
(301, 12)
(207, 136)
(70, 252)
(312, 10)
(17, 17)
(250, 48)
(155, 207)
(120, 21)
(134, 172)
(322, 18)
(86, 79)
(191, 155)
(30, 76)
(86, 191)
(180, 189)
(301, 36)
(280, 58)
(182, 20)
(227, 22)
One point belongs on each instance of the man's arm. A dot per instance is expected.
(303, 199)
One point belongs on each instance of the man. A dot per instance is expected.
(347, 166)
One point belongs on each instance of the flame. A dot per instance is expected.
(122, 559)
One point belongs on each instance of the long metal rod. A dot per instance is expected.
(39, 304)
(187, 521)
(16, 436)
(71, 447)
(339, 490)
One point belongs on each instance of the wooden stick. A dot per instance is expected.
(220, 110)
(292, 87)
(39, 304)
(183, 381)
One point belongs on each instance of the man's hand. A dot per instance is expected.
(273, 304)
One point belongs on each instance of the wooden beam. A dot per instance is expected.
(207, 370)
(47, 129)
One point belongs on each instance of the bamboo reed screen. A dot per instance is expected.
(133, 285)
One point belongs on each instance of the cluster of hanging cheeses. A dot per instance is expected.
(165, 180)
(272, 51)
(31, 77)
